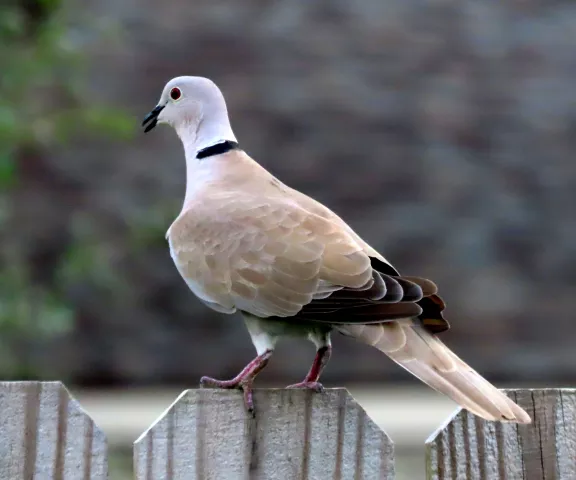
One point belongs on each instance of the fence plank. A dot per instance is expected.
(207, 434)
(470, 448)
(45, 434)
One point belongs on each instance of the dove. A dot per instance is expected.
(246, 242)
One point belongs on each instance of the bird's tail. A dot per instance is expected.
(425, 356)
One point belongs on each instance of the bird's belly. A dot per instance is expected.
(279, 327)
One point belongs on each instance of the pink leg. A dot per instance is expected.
(243, 381)
(311, 381)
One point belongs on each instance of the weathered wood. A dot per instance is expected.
(466, 447)
(45, 434)
(207, 434)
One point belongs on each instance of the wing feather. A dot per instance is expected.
(269, 258)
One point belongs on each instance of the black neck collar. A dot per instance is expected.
(217, 149)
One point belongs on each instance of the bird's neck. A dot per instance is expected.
(208, 132)
(211, 129)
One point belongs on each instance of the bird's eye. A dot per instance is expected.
(175, 93)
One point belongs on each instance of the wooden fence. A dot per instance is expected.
(207, 435)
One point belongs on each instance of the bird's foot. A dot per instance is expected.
(311, 382)
(243, 381)
(315, 386)
(244, 384)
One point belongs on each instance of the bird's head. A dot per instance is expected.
(195, 108)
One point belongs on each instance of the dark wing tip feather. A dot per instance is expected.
(387, 297)
(394, 290)
(432, 305)
(432, 317)
(412, 292)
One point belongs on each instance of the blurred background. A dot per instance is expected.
(444, 131)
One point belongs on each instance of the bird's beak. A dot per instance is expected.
(152, 118)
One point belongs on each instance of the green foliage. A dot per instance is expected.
(89, 260)
(106, 121)
(42, 96)
(7, 168)
(34, 310)
(43, 103)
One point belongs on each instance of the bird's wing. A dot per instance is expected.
(413, 347)
(431, 306)
(428, 308)
(273, 258)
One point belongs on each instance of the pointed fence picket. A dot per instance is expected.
(207, 434)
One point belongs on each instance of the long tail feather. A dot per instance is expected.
(425, 356)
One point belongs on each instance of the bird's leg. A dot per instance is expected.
(264, 343)
(243, 381)
(322, 341)
(311, 381)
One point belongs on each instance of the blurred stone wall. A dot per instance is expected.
(443, 131)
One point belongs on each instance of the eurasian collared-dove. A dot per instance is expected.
(246, 242)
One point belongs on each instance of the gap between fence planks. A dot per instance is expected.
(206, 434)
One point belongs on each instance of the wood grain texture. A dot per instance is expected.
(296, 435)
(45, 434)
(466, 447)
